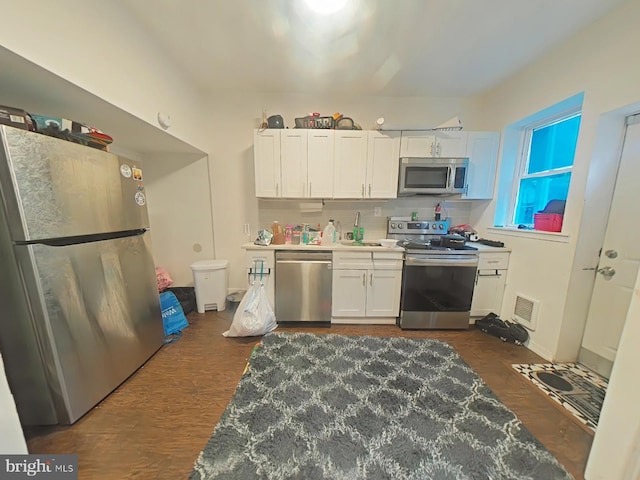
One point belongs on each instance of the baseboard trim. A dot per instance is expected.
(595, 362)
(543, 352)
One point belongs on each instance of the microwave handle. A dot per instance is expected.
(450, 176)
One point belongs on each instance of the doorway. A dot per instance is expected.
(618, 263)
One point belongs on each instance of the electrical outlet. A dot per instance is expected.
(377, 211)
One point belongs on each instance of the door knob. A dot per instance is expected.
(607, 272)
(611, 253)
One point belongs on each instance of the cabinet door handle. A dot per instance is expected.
(432, 145)
(371, 280)
(497, 274)
(277, 190)
(362, 194)
(309, 188)
(304, 188)
(369, 190)
(438, 150)
(364, 279)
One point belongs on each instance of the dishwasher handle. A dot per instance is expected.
(284, 262)
(303, 257)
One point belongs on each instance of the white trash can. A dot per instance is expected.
(210, 280)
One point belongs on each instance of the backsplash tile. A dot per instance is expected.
(344, 211)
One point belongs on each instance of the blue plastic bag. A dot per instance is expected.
(173, 318)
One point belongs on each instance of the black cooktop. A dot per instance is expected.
(432, 246)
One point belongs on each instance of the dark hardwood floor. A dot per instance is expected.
(156, 423)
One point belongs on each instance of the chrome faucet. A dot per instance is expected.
(358, 231)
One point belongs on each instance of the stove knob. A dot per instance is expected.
(393, 225)
(399, 225)
(434, 226)
(441, 227)
(426, 226)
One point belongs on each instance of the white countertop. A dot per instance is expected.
(366, 248)
(317, 248)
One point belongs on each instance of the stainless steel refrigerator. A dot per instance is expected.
(79, 306)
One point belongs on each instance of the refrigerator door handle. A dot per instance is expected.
(98, 237)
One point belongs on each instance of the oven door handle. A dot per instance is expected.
(441, 261)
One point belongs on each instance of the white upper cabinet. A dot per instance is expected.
(320, 163)
(366, 164)
(350, 164)
(433, 144)
(293, 162)
(266, 156)
(482, 150)
(382, 164)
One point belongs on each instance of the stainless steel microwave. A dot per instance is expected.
(432, 176)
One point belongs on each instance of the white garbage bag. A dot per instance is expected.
(254, 315)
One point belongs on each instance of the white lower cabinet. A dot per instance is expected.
(491, 279)
(366, 287)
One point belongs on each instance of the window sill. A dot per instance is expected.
(536, 234)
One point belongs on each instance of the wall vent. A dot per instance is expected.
(525, 311)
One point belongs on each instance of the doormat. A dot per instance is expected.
(576, 388)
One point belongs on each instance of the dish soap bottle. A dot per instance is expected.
(329, 234)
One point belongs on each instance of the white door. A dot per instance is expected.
(488, 292)
(350, 164)
(266, 158)
(320, 164)
(619, 258)
(348, 294)
(418, 144)
(383, 162)
(482, 150)
(451, 144)
(383, 293)
(293, 163)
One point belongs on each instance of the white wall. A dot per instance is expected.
(230, 129)
(599, 61)
(179, 213)
(98, 46)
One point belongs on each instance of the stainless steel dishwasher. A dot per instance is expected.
(303, 286)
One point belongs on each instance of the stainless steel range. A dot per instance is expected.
(437, 282)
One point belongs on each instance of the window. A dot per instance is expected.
(544, 170)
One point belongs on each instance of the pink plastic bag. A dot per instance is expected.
(163, 278)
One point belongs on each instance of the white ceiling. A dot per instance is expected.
(377, 47)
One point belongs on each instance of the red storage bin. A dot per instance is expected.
(549, 222)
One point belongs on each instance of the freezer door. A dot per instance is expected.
(53, 188)
(96, 312)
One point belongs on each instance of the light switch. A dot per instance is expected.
(377, 211)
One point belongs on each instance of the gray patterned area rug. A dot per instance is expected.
(356, 407)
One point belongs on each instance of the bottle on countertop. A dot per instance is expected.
(329, 234)
(288, 234)
(278, 233)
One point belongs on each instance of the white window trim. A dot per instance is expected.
(523, 158)
(535, 234)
